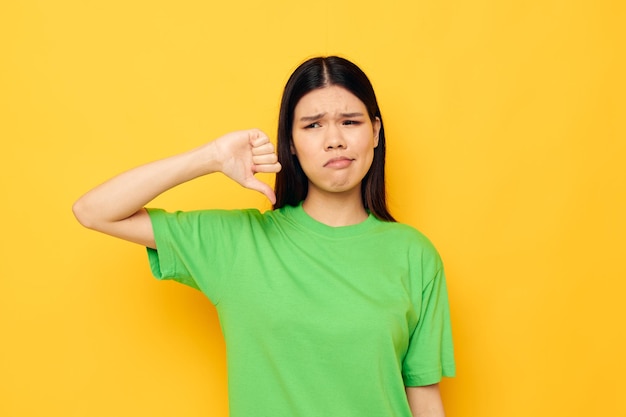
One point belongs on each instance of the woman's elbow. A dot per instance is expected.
(83, 214)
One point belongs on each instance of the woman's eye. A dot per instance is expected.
(351, 122)
(312, 125)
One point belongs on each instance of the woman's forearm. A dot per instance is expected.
(127, 193)
(116, 206)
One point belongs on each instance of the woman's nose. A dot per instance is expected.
(334, 139)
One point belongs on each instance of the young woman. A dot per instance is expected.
(328, 306)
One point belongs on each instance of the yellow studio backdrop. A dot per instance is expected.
(506, 134)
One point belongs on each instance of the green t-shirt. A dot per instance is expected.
(318, 320)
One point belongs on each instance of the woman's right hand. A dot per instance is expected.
(242, 154)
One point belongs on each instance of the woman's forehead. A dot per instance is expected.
(331, 99)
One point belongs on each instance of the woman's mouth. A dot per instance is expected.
(338, 163)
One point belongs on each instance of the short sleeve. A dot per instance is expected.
(430, 355)
(192, 248)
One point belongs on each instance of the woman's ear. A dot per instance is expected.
(292, 148)
(376, 124)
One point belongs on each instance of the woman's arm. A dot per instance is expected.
(116, 207)
(425, 401)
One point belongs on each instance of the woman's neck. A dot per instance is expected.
(335, 209)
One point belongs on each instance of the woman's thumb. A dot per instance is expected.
(263, 188)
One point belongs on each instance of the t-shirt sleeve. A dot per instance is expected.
(430, 355)
(193, 248)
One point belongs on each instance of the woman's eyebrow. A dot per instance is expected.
(320, 115)
(355, 114)
(312, 118)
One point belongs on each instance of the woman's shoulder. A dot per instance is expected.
(407, 235)
(402, 229)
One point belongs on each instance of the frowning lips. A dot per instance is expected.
(338, 162)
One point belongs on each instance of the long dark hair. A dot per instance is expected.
(291, 182)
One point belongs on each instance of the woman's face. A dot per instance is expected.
(334, 139)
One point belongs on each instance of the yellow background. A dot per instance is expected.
(506, 134)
